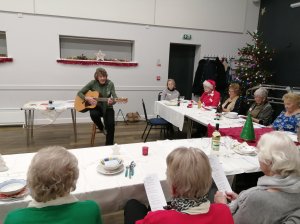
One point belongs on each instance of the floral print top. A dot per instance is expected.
(287, 123)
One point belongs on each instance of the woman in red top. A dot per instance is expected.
(210, 97)
(189, 178)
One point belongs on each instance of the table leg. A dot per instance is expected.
(73, 113)
(189, 128)
(31, 123)
(27, 126)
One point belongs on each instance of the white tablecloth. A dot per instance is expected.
(176, 114)
(112, 192)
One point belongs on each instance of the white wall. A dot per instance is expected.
(33, 42)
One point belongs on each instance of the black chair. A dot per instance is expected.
(154, 123)
(159, 96)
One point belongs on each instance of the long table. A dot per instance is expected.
(58, 106)
(177, 114)
(112, 192)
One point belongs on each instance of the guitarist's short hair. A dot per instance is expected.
(100, 71)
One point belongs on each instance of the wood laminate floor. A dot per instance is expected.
(13, 138)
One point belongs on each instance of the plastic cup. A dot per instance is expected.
(145, 150)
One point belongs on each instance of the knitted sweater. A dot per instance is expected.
(106, 90)
(259, 206)
(169, 95)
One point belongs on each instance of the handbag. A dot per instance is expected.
(133, 117)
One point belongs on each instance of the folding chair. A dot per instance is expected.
(154, 123)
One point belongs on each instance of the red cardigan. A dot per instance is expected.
(218, 213)
(211, 99)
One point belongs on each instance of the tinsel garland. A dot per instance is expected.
(94, 62)
(3, 60)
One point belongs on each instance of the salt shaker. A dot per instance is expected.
(116, 149)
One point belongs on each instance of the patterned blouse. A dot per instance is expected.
(287, 123)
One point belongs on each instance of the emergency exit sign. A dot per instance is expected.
(187, 36)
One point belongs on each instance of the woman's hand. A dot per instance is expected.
(222, 198)
(231, 195)
(110, 101)
(90, 100)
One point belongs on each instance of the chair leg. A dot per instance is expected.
(93, 135)
(144, 131)
(148, 133)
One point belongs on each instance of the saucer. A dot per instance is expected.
(100, 169)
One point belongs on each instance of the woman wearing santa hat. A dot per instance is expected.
(210, 97)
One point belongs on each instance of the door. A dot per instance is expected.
(181, 67)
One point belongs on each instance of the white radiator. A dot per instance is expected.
(12, 117)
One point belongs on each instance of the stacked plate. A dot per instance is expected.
(110, 166)
(231, 115)
(13, 189)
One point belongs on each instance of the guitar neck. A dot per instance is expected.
(102, 99)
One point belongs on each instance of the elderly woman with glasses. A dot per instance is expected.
(232, 103)
(261, 110)
(189, 179)
(289, 120)
(51, 177)
(276, 197)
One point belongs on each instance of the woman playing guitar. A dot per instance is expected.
(101, 108)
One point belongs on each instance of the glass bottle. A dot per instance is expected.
(215, 140)
(199, 104)
(178, 101)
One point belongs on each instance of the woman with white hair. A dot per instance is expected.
(170, 93)
(51, 177)
(289, 120)
(189, 179)
(261, 110)
(276, 197)
(210, 97)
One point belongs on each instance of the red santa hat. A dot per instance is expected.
(210, 83)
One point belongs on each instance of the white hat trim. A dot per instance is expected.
(208, 84)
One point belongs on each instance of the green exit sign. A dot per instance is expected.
(187, 36)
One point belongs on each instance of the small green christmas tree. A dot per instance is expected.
(251, 67)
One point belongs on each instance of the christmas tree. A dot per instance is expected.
(251, 67)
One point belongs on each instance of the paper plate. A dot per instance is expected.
(100, 169)
(12, 186)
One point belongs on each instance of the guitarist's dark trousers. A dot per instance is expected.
(109, 122)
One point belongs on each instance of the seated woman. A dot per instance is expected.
(210, 97)
(189, 177)
(51, 177)
(232, 103)
(276, 197)
(170, 93)
(261, 110)
(289, 120)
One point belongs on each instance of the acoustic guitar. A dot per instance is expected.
(82, 105)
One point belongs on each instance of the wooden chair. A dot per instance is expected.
(94, 130)
(154, 123)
